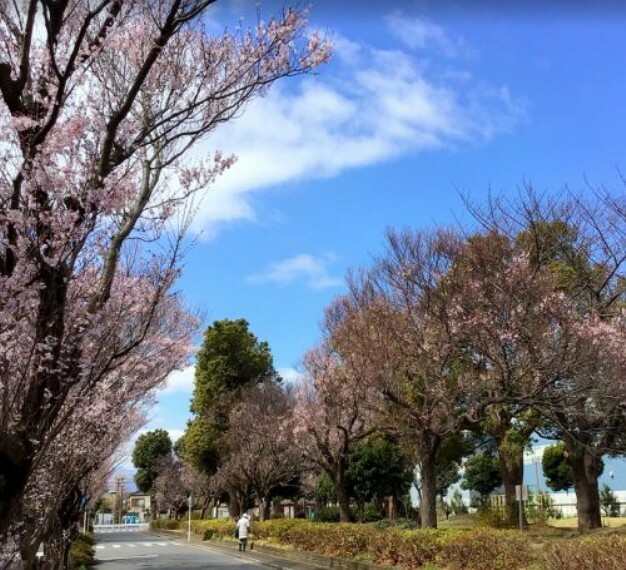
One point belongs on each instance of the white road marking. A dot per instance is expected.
(129, 557)
(117, 546)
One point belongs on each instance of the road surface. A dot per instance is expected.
(126, 550)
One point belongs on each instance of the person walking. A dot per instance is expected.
(243, 528)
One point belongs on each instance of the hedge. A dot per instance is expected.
(481, 549)
(588, 553)
(461, 549)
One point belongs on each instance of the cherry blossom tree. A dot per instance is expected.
(518, 329)
(91, 427)
(581, 245)
(259, 448)
(398, 320)
(331, 415)
(101, 101)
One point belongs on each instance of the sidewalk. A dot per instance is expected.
(273, 557)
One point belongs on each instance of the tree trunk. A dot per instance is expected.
(512, 473)
(360, 509)
(153, 508)
(28, 553)
(584, 467)
(429, 445)
(428, 507)
(266, 508)
(15, 465)
(343, 500)
(394, 508)
(338, 477)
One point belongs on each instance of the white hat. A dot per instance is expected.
(246, 515)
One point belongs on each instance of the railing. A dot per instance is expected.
(121, 527)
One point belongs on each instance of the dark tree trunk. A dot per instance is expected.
(429, 445)
(15, 466)
(28, 553)
(37, 414)
(153, 507)
(512, 473)
(584, 467)
(428, 507)
(343, 500)
(360, 510)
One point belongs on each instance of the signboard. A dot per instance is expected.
(521, 492)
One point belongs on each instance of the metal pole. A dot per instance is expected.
(85, 525)
(521, 506)
(189, 525)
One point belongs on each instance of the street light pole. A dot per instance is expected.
(189, 524)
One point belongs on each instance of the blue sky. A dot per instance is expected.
(418, 105)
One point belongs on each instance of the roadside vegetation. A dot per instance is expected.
(400, 544)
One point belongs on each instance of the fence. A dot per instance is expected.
(127, 527)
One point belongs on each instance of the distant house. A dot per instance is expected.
(139, 505)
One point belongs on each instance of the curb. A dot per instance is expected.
(285, 559)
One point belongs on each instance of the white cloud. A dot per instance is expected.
(312, 270)
(368, 106)
(420, 34)
(179, 381)
(290, 375)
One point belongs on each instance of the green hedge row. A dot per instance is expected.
(481, 549)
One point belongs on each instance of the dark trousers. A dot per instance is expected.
(242, 543)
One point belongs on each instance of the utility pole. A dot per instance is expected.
(119, 493)
(189, 524)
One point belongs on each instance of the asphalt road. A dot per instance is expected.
(125, 550)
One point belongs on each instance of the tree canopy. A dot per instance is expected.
(149, 449)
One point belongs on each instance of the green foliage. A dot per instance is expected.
(82, 551)
(556, 470)
(327, 514)
(482, 473)
(449, 458)
(539, 508)
(149, 447)
(608, 502)
(230, 358)
(325, 490)
(378, 468)
(199, 445)
(457, 505)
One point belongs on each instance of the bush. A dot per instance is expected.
(484, 550)
(82, 551)
(372, 514)
(327, 514)
(590, 553)
(165, 524)
(475, 550)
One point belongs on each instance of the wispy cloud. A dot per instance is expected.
(290, 375)
(179, 381)
(421, 34)
(370, 105)
(303, 267)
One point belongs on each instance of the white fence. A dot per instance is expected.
(128, 527)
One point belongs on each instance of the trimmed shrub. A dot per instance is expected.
(589, 553)
(327, 515)
(82, 551)
(165, 524)
(484, 550)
